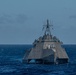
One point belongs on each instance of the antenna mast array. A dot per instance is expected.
(47, 28)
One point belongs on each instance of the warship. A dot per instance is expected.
(47, 49)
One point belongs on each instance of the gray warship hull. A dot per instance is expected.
(46, 50)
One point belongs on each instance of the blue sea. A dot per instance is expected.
(11, 62)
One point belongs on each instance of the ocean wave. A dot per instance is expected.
(7, 69)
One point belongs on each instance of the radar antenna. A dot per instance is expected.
(47, 28)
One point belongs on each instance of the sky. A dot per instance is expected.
(21, 21)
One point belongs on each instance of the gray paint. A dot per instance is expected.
(48, 49)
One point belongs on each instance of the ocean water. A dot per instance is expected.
(11, 62)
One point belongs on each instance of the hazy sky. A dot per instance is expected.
(21, 21)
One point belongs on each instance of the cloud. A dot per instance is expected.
(12, 19)
(21, 18)
(72, 17)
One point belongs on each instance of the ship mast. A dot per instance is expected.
(47, 28)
